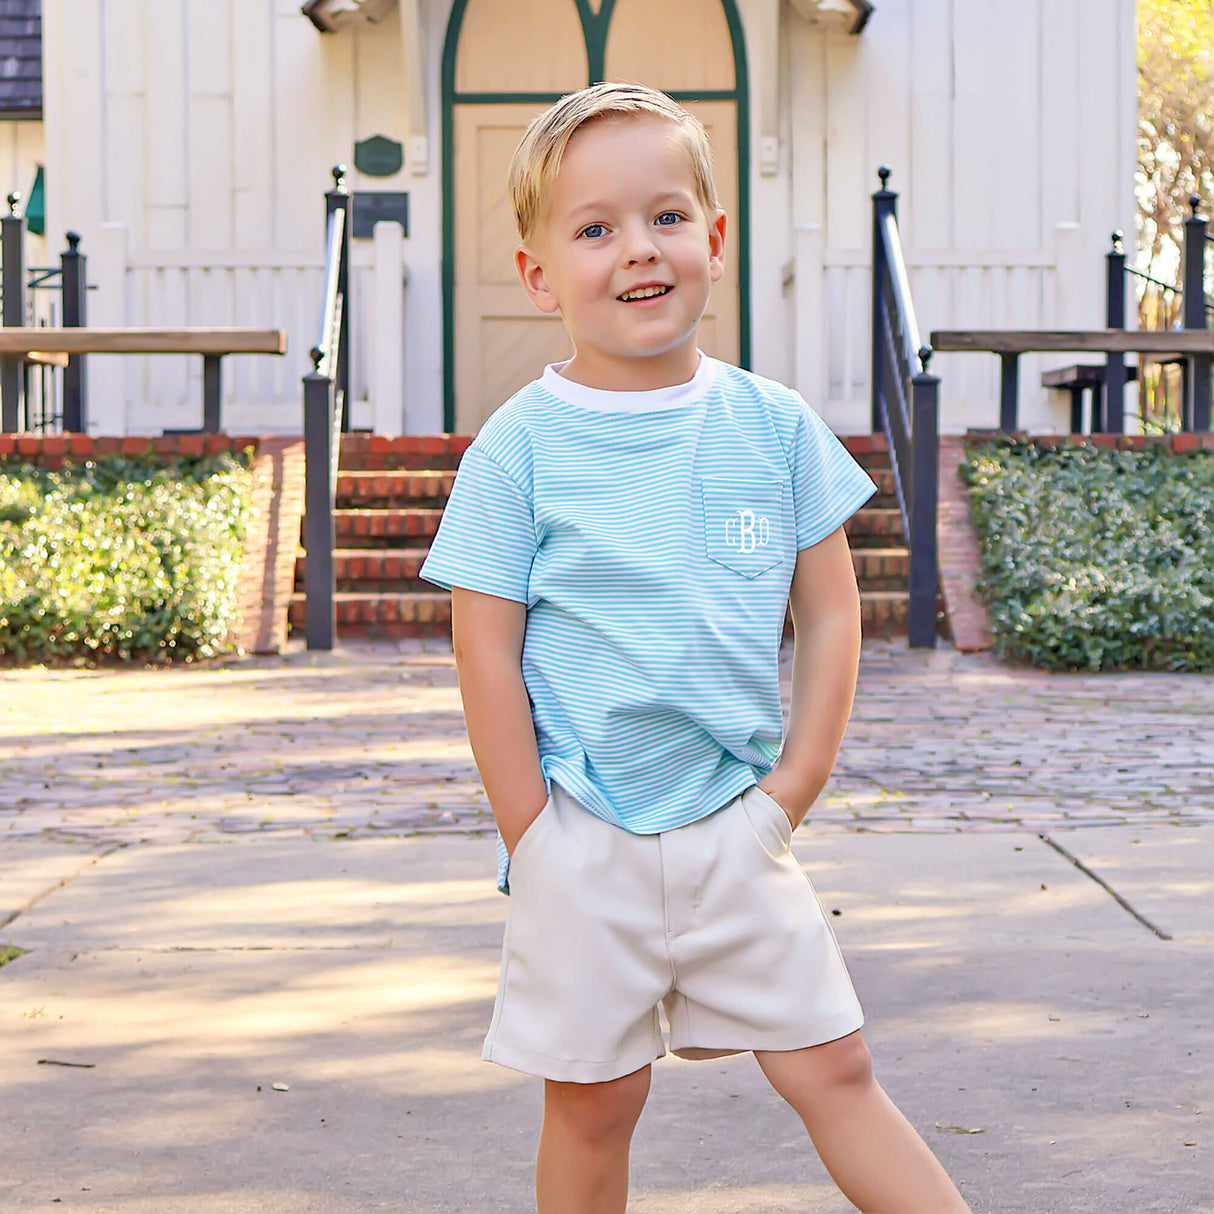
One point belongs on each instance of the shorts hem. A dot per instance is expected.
(830, 1029)
(569, 1070)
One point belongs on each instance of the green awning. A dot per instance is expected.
(35, 209)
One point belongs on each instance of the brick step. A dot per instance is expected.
(415, 452)
(401, 487)
(429, 452)
(883, 613)
(395, 570)
(881, 568)
(887, 493)
(367, 452)
(868, 450)
(382, 615)
(875, 527)
(378, 527)
(382, 527)
(357, 488)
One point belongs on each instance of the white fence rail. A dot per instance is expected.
(132, 394)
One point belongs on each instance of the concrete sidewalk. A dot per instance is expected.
(1055, 1052)
(280, 871)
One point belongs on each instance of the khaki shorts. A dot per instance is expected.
(716, 921)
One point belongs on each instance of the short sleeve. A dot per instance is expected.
(486, 538)
(828, 485)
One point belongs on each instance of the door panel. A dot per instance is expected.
(501, 341)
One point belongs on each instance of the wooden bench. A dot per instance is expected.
(48, 346)
(1009, 344)
(1078, 379)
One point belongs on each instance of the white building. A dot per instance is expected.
(190, 143)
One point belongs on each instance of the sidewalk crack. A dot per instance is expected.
(32, 902)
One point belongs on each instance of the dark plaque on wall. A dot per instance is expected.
(370, 206)
(378, 156)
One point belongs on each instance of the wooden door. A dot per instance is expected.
(500, 341)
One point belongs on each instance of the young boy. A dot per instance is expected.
(620, 543)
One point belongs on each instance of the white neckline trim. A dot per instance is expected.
(602, 400)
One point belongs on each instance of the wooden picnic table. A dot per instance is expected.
(1009, 344)
(49, 346)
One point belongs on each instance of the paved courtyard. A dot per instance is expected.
(369, 740)
(210, 1009)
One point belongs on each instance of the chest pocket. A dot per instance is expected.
(743, 522)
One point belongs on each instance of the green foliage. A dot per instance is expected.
(121, 558)
(1097, 558)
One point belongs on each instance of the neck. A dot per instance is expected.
(664, 370)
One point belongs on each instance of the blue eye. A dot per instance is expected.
(593, 230)
(669, 218)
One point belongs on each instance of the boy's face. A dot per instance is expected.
(624, 214)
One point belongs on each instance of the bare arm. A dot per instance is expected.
(825, 605)
(487, 635)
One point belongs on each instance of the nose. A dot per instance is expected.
(639, 244)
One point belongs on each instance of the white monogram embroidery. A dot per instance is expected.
(747, 531)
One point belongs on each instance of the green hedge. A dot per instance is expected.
(1097, 558)
(121, 558)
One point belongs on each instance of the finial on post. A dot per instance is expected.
(316, 354)
(13, 199)
(1194, 203)
(883, 172)
(73, 241)
(925, 354)
(339, 176)
(1118, 237)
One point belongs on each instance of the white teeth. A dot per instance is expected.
(645, 293)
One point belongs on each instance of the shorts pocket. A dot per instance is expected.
(771, 825)
(744, 522)
(527, 838)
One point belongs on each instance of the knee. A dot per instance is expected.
(845, 1063)
(808, 1077)
(598, 1112)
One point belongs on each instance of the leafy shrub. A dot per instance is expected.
(1097, 558)
(121, 558)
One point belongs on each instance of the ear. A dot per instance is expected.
(531, 275)
(716, 247)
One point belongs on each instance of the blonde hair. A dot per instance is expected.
(537, 159)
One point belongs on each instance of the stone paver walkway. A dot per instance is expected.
(369, 740)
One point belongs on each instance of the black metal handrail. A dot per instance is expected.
(16, 278)
(326, 388)
(905, 407)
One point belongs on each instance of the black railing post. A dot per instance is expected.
(1113, 406)
(12, 282)
(1197, 402)
(319, 536)
(1009, 392)
(212, 393)
(73, 283)
(338, 198)
(924, 570)
(885, 202)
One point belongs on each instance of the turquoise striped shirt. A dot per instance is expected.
(652, 538)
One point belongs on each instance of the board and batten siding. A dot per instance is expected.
(192, 146)
(1010, 129)
(190, 143)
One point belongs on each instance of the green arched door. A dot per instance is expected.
(494, 82)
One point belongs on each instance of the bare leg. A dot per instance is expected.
(582, 1164)
(867, 1145)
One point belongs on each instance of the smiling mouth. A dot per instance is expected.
(644, 293)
